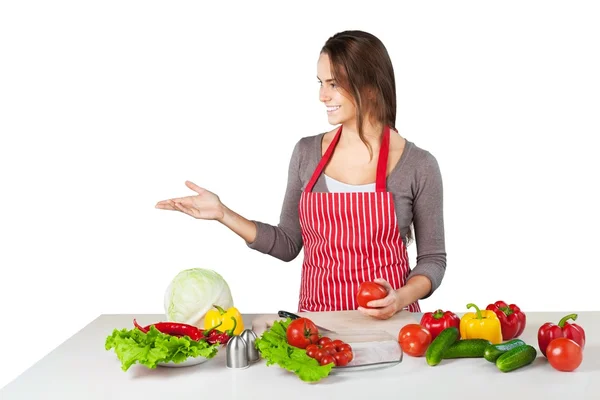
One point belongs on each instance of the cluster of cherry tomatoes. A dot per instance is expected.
(327, 351)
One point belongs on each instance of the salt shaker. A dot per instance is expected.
(237, 358)
(250, 338)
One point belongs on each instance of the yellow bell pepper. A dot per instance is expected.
(481, 325)
(223, 321)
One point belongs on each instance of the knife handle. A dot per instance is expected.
(287, 314)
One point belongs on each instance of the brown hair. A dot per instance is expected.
(361, 66)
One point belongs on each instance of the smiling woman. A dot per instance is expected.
(352, 195)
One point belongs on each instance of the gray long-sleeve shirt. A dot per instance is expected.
(416, 185)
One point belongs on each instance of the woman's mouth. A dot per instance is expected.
(332, 109)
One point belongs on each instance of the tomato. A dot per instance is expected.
(302, 332)
(312, 351)
(348, 354)
(337, 343)
(330, 348)
(319, 354)
(368, 291)
(341, 359)
(327, 360)
(344, 347)
(312, 346)
(414, 339)
(564, 354)
(324, 340)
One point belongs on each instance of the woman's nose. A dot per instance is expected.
(323, 95)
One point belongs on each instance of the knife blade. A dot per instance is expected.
(287, 314)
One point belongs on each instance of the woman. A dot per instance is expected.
(352, 193)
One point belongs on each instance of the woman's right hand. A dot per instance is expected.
(205, 205)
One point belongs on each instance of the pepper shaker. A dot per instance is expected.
(237, 357)
(250, 338)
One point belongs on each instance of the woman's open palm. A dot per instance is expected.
(204, 205)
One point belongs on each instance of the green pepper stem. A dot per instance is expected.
(230, 332)
(208, 331)
(570, 316)
(221, 310)
(479, 316)
(437, 314)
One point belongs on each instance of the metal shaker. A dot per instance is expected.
(250, 338)
(237, 357)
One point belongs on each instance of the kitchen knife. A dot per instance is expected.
(287, 314)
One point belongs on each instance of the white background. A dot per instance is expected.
(108, 107)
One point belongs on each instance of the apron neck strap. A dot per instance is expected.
(380, 184)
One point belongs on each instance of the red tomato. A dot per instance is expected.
(414, 339)
(319, 354)
(312, 346)
(368, 291)
(337, 343)
(348, 354)
(564, 354)
(330, 348)
(324, 340)
(341, 359)
(345, 347)
(312, 352)
(328, 359)
(302, 332)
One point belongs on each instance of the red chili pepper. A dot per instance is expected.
(512, 319)
(174, 329)
(550, 331)
(435, 322)
(224, 337)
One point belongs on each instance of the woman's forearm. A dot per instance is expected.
(415, 289)
(241, 226)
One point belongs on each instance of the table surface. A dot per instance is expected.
(81, 368)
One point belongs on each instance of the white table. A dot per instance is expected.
(82, 369)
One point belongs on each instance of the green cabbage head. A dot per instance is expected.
(192, 293)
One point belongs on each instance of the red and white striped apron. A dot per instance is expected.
(349, 238)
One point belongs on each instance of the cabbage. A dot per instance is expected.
(192, 293)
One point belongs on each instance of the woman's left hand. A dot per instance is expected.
(388, 306)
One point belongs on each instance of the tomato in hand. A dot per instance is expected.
(369, 291)
(564, 354)
(302, 332)
(414, 339)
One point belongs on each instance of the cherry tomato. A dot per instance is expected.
(337, 343)
(368, 291)
(312, 352)
(328, 359)
(312, 346)
(302, 332)
(319, 354)
(348, 354)
(330, 348)
(344, 347)
(414, 339)
(323, 341)
(341, 359)
(564, 354)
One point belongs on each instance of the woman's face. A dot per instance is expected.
(340, 107)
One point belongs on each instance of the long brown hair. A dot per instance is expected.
(361, 66)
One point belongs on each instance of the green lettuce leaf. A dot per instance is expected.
(149, 349)
(275, 349)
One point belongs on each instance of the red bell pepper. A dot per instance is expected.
(435, 322)
(550, 331)
(512, 319)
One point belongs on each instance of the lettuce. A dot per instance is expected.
(275, 349)
(149, 349)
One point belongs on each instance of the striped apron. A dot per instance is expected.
(349, 238)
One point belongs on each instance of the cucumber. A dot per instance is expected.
(467, 348)
(516, 358)
(439, 346)
(493, 351)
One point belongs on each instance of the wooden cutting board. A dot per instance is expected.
(347, 323)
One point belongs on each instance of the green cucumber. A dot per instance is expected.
(493, 351)
(516, 358)
(467, 348)
(436, 350)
